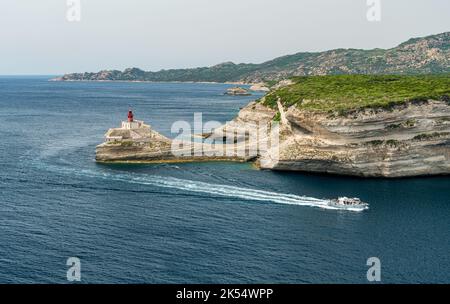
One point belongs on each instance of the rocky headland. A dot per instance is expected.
(368, 126)
(407, 140)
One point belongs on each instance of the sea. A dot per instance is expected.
(213, 222)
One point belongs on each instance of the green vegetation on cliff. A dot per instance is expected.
(343, 93)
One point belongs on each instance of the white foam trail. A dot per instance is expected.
(203, 187)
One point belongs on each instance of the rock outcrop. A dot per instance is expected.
(408, 140)
(259, 87)
(361, 125)
(134, 145)
(237, 91)
(143, 144)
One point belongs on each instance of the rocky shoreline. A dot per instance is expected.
(410, 140)
(367, 126)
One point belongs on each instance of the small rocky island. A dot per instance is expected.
(238, 91)
(368, 126)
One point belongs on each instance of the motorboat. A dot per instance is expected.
(348, 203)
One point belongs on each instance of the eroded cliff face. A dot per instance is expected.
(411, 139)
(408, 140)
(254, 115)
(151, 146)
(144, 145)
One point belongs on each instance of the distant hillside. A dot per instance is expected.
(416, 56)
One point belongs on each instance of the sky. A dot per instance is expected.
(36, 37)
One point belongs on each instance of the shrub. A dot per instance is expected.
(346, 93)
(277, 117)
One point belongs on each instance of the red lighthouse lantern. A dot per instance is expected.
(130, 116)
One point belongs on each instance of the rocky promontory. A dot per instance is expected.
(372, 126)
(407, 140)
(367, 126)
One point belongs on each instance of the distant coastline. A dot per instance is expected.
(425, 55)
(150, 81)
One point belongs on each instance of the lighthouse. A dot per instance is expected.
(131, 123)
(130, 130)
(130, 116)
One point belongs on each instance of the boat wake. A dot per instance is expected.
(203, 187)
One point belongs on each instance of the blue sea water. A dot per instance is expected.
(196, 222)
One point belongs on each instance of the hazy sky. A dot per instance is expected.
(36, 38)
